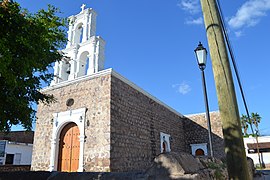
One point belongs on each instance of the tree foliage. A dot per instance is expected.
(256, 119)
(29, 45)
(244, 124)
(253, 119)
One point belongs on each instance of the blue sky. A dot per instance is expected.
(152, 42)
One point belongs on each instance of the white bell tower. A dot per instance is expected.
(84, 52)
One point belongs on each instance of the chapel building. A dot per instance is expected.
(101, 121)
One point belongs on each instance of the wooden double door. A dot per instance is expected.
(69, 148)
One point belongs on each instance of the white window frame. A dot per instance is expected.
(165, 137)
(195, 147)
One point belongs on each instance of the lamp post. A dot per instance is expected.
(201, 55)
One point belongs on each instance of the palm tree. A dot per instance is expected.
(256, 119)
(244, 124)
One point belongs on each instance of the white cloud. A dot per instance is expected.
(182, 88)
(197, 21)
(239, 33)
(191, 6)
(249, 13)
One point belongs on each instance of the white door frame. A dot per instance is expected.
(60, 120)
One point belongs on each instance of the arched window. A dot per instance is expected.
(83, 64)
(78, 36)
(164, 146)
(81, 33)
(165, 142)
(199, 152)
(199, 149)
(86, 65)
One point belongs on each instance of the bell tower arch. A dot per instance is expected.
(84, 52)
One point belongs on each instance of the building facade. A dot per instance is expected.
(16, 147)
(100, 121)
(263, 146)
(115, 126)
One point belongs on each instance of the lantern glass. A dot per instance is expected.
(201, 55)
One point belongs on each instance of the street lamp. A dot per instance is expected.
(201, 55)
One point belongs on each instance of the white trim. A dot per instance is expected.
(202, 146)
(60, 120)
(165, 137)
(82, 78)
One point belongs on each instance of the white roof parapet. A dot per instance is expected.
(82, 78)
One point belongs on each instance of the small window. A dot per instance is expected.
(164, 143)
(70, 102)
(199, 149)
(9, 158)
(199, 152)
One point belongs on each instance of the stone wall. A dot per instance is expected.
(97, 129)
(122, 125)
(136, 123)
(92, 93)
(196, 131)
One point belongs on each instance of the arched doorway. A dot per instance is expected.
(69, 148)
(199, 152)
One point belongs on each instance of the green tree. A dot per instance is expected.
(256, 119)
(253, 119)
(29, 45)
(244, 124)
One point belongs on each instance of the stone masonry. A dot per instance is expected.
(92, 93)
(196, 131)
(136, 123)
(122, 125)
